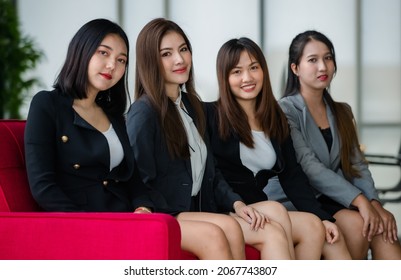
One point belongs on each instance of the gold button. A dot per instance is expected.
(105, 183)
(76, 166)
(64, 139)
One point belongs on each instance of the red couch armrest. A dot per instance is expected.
(83, 236)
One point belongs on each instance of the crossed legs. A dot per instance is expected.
(274, 241)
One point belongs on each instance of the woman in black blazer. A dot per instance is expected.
(251, 143)
(78, 156)
(166, 128)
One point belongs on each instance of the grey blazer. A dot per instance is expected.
(322, 166)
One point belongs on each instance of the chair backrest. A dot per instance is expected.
(15, 195)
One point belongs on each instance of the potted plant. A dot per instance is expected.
(18, 54)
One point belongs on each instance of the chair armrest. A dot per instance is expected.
(94, 236)
(383, 159)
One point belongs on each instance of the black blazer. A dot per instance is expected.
(68, 161)
(292, 179)
(169, 181)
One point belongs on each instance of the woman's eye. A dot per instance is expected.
(122, 60)
(165, 54)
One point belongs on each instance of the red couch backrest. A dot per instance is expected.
(15, 195)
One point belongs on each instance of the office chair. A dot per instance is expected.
(387, 160)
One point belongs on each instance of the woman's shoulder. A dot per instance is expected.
(141, 109)
(46, 98)
(45, 95)
(291, 104)
(143, 103)
(210, 106)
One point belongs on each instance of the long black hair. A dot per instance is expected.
(345, 122)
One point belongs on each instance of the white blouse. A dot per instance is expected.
(197, 147)
(261, 156)
(115, 147)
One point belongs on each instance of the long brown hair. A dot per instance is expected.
(231, 116)
(149, 81)
(344, 118)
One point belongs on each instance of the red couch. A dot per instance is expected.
(27, 232)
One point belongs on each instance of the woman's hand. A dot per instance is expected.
(372, 222)
(332, 233)
(252, 216)
(389, 229)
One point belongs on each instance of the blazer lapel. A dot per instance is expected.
(191, 113)
(335, 148)
(312, 132)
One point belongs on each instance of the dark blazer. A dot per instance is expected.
(169, 181)
(68, 161)
(250, 187)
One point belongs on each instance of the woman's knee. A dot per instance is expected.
(232, 229)
(307, 226)
(351, 224)
(274, 232)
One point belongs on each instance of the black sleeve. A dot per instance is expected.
(296, 184)
(41, 154)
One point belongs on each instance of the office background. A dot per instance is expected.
(366, 35)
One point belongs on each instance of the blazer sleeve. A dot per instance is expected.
(225, 195)
(322, 178)
(141, 127)
(364, 183)
(296, 185)
(41, 154)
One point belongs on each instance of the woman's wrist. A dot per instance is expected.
(237, 204)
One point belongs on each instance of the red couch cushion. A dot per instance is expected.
(15, 195)
(88, 236)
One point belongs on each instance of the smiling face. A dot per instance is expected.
(316, 67)
(108, 64)
(176, 60)
(246, 78)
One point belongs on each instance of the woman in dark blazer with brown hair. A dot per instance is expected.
(78, 156)
(166, 127)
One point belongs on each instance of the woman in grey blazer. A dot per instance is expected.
(327, 147)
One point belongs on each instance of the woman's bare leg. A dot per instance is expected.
(350, 223)
(382, 250)
(274, 241)
(227, 226)
(275, 211)
(271, 241)
(336, 251)
(308, 235)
